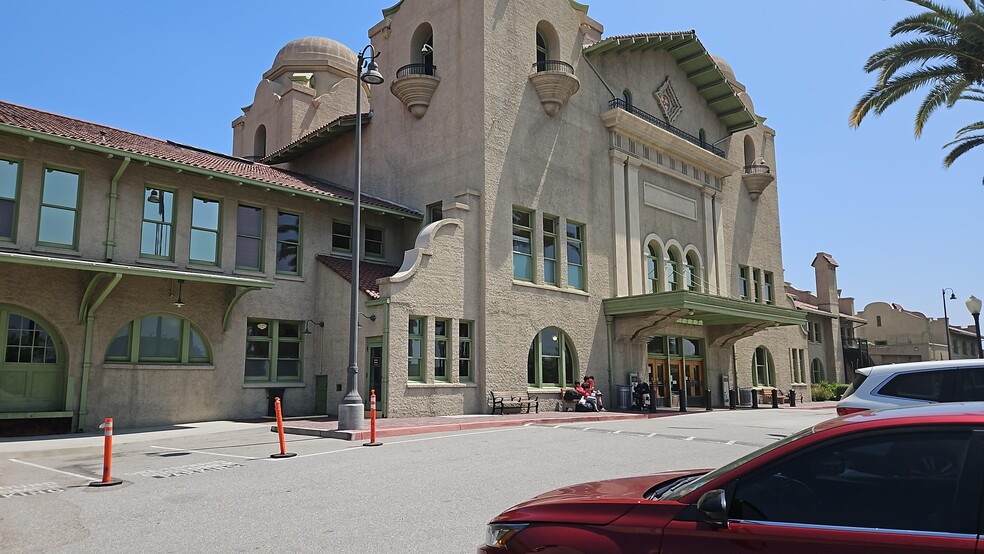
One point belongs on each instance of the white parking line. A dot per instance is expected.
(689, 438)
(730, 442)
(205, 452)
(84, 478)
(357, 449)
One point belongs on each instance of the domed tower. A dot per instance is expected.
(310, 84)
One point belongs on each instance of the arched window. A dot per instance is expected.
(702, 137)
(259, 143)
(672, 271)
(691, 278)
(654, 259)
(542, 52)
(878, 321)
(763, 370)
(627, 98)
(816, 371)
(159, 338)
(422, 49)
(551, 361)
(749, 151)
(547, 45)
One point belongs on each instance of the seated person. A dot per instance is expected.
(593, 392)
(643, 393)
(587, 400)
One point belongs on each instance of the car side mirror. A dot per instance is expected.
(714, 507)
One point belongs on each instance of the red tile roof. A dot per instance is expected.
(13, 115)
(369, 272)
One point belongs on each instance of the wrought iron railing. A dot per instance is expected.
(416, 69)
(854, 344)
(620, 103)
(757, 168)
(553, 65)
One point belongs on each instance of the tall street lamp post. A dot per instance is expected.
(351, 412)
(974, 305)
(946, 322)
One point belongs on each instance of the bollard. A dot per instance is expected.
(707, 400)
(775, 398)
(280, 431)
(372, 420)
(107, 478)
(755, 398)
(792, 398)
(733, 399)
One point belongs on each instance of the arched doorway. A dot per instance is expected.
(32, 366)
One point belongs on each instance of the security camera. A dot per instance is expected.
(427, 49)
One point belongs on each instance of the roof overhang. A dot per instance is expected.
(726, 319)
(337, 128)
(688, 52)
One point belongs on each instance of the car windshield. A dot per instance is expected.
(686, 487)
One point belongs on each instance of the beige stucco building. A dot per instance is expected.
(540, 203)
(896, 335)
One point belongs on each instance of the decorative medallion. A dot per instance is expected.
(668, 102)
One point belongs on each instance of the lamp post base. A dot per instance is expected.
(351, 417)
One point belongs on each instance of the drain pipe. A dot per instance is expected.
(90, 320)
(609, 324)
(111, 225)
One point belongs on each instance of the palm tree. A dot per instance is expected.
(948, 57)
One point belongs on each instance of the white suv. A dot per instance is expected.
(908, 384)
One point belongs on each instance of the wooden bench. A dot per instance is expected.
(513, 399)
(565, 404)
(767, 396)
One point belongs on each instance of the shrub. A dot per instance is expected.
(822, 392)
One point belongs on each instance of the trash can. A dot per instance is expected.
(623, 396)
(745, 396)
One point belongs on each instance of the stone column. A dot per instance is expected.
(620, 262)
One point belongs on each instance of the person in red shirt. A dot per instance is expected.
(589, 400)
(593, 393)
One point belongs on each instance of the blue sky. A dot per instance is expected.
(878, 200)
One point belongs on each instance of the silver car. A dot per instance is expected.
(909, 384)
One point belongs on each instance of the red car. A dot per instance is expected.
(898, 480)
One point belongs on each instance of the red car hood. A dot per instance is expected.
(594, 503)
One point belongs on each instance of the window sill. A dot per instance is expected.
(248, 272)
(66, 251)
(551, 288)
(440, 385)
(274, 385)
(153, 261)
(289, 277)
(144, 366)
(205, 267)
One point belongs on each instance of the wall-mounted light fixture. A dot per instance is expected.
(307, 331)
(179, 303)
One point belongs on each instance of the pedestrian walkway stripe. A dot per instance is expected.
(30, 490)
(83, 477)
(186, 470)
(623, 432)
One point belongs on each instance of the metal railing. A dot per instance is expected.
(620, 103)
(553, 65)
(855, 344)
(416, 69)
(758, 168)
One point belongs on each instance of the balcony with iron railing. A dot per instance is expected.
(620, 103)
(555, 83)
(757, 177)
(414, 86)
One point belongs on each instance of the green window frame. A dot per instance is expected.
(60, 198)
(575, 256)
(375, 242)
(522, 244)
(442, 332)
(435, 212)
(768, 283)
(249, 237)
(542, 53)
(288, 243)
(691, 280)
(551, 361)
(743, 282)
(10, 177)
(654, 259)
(206, 217)
(756, 285)
(415, 349)
(763, 368)
(159, 338)
(816, 370)
(273, 351)
(465, 352)
(672, 271)
(157, 226)
(341, 236)
(550, 250)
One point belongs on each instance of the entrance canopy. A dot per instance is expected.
(726, 319)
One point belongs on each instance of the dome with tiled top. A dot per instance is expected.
(314, 53)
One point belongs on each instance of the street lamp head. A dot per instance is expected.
(372, 76)
(953, 296)
(974, 305)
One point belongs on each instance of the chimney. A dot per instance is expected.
(826, 274)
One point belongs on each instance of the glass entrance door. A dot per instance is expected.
(374, 353)
(695, 382)
(658, 380)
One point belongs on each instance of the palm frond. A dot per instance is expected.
(964, 145)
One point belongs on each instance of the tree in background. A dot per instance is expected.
(946, 54)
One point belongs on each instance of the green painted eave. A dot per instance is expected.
(337, 128)
(709, 309)
(392, 9)
(125, 269)
(698, 64)
(583, 8)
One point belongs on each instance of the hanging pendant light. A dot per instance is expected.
(178, 303)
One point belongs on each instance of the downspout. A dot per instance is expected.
(609, 328)
(111, 226)
(734, 366)
(90, 320)
(386, 344)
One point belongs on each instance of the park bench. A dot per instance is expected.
(513, 399)
(767, 396)
(566, 404)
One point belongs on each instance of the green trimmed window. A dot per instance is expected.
(653, 262)
(273, 351)
(816, 371)
(672, 270)
(341, 236)
(756, 285)
(59, 208)
(743, 282)
(159, 339)
(465, 351)
(550, 250)
(415, 343)
(157, 229)
(9, 180)
(575, 255)
(767, 296)
(551, 361)
(522, 232)
(288, 243)
(542, 54)
(442, 330)
(204, 243)
(763, 369)
(691, 281)
(435, 212)
(374, 242)
(798, 364)
(249, 238)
